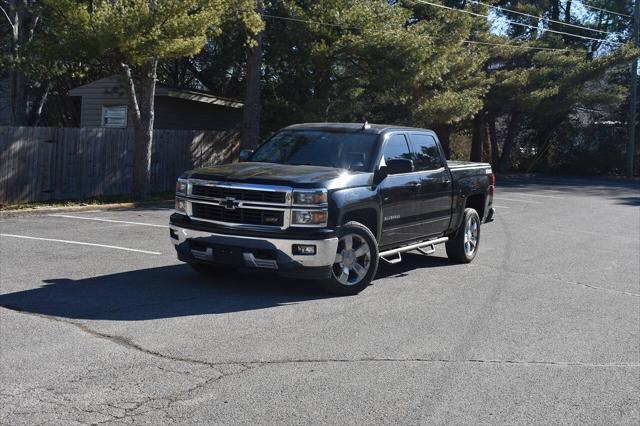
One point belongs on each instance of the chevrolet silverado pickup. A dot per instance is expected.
(329, 201)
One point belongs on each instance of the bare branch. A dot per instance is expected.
(8, 18)
(131, 88)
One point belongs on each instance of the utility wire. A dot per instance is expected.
(540, 18)
(588, 6)
(515, 23)
(519, 46)
(484, 43)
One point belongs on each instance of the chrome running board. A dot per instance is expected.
(417, 246)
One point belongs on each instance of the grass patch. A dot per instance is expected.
(95, 201)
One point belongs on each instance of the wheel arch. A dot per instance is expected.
(368, 216)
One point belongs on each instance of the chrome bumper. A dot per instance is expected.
(325, 249)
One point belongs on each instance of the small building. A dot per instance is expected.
(5, 102)
(105, 103)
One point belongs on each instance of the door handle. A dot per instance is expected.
(416, 186)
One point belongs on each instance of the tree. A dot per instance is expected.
(252, 101)
(536, 92)
(22, 17)
(362, 60)
(137, 34)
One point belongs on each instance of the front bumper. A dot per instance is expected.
(275, 254)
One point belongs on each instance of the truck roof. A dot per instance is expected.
(352, 127)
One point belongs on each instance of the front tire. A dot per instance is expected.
(462, 247)
(356, 260)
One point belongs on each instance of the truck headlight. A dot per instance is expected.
(181, 205)
(181, 187)
(309, 217)
(310, 197)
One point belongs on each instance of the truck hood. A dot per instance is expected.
(275, 174)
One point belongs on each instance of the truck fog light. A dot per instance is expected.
(304, 249)
(181, 206)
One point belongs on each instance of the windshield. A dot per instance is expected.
(350, 151)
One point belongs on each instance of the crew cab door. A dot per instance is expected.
(434, 200)
(398, 194)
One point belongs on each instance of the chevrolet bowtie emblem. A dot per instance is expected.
(229, 203)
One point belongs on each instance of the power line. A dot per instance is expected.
(588, 6)
(540, 17)
(516, 23)
(330, 24)
(519, 46)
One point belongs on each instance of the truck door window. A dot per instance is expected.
(396, 147)
(427, 154)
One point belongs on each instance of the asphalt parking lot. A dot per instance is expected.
(100, 323)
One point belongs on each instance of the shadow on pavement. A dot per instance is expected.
(629, 201)
(162, 292)
(176, 291)
(410, 261)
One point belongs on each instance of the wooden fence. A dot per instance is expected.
(45, 163)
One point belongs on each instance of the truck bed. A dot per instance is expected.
(459, 165)
(470, 172)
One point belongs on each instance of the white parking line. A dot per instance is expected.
(523, 194)
(501, 207)
(522, 201)
(108, 220)
(80, 243)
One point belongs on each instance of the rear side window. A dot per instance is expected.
(427, 154)
(397, 147)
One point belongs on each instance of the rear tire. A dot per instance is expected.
(356, 260)
(462, 246)
(210, 270)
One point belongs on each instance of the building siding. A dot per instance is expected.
(170, 113)
(5, 103)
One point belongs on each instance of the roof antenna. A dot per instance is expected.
(366, 125)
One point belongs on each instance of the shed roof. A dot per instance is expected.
(161, 90)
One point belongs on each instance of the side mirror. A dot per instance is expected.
(397, 166)
(245, 154)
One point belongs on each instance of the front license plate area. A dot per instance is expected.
(216, 253)
(228, 255)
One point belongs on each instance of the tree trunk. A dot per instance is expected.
(36, 111)
(250, 137)
(567, 12)
(18, 90)
(493, 139)
(17, 83)
(444, 134)
(567, 19)
(142, 104)
(512, 128)
(23, 24)
(479, 136)
(555, 12)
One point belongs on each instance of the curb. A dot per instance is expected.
(83, 208)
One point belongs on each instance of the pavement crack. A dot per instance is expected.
(561, 280)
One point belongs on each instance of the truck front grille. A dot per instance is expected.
(239, 194)
(237, 215)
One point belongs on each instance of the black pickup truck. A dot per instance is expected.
(329, 201)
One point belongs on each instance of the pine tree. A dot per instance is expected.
(137, 34)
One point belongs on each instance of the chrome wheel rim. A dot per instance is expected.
(471, 236)
(353, 260)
